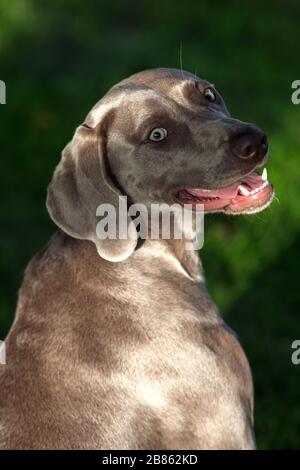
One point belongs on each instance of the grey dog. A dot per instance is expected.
(116, 344)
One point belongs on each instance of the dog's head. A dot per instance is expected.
(159, 136)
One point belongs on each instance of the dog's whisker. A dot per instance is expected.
(180, 59)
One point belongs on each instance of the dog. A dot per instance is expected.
(116, 343)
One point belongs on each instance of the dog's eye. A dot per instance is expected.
(158, 134)
(210, 95)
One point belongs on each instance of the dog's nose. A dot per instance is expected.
(251, 144)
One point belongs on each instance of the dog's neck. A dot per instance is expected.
(175, 250)
(189, 260)
(170, 252)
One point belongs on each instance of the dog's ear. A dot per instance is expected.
(79, 185)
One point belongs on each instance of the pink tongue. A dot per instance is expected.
(251, 182)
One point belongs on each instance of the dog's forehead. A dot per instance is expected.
(176, 84)
(145, 91)
(161, 78)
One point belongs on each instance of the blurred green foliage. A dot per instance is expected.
(58, 58)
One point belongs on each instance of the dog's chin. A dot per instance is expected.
(248, 195)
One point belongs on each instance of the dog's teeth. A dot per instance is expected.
(244, 191)
(264, 175)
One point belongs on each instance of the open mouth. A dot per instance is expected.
(252, 193)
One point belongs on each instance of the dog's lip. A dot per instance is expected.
(249, 191)
(252, 203)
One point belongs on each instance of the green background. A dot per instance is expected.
(59, 57)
